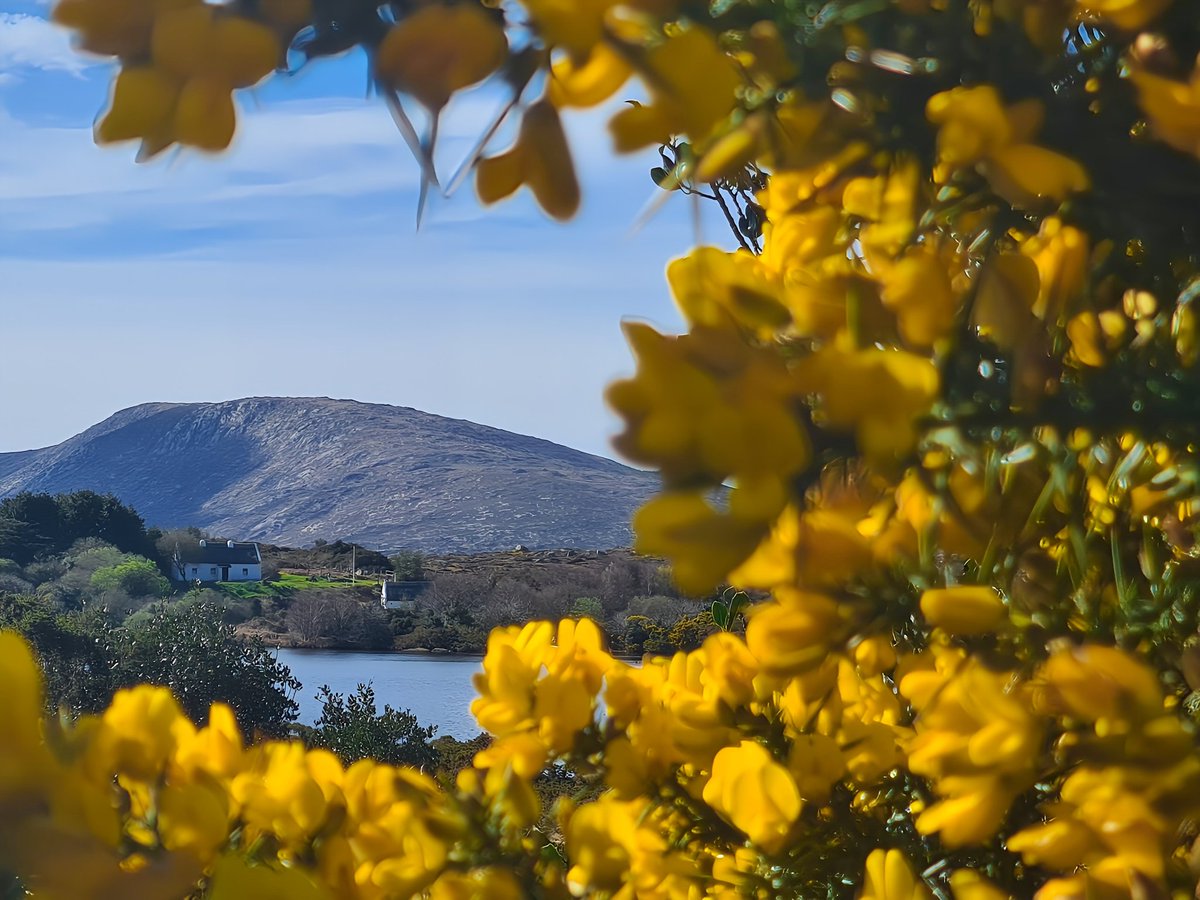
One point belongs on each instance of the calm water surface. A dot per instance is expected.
(437, 688)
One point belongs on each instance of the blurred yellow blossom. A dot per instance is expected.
(754, 792)
(889, 876)
(964, 610)
(539, 159)
(441, 49)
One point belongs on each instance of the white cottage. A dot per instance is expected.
(218, 561)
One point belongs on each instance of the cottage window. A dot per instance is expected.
(212, 571)
(245, 571)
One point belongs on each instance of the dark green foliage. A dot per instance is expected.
(587, 607)
(192, 651)
(88, 514)
(233, 610)
(353, 728)
(454, 755)
(643, 635)
(186, 647)
(338, 555)
(408, 565)
(728, 607)
(457, 637)
(33, 525)
(20, 540)
(74, 649)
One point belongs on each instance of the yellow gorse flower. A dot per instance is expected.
(755, 793)
(1172, 106)
(693, 85)
(977, 130)
(964, 610)
(439, 50)
(539, 159)
(890, 877)
(190, 58)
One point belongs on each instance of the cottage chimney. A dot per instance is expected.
(229, 544)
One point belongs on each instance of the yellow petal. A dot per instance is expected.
(143, 103)
(204, 116)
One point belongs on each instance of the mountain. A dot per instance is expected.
(291, 470)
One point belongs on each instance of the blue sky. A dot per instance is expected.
(290, 266)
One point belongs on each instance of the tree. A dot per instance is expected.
(588, 607)
(74, 587)
(74, 650)
(330, 619)
(203, 662)
(941, 406)
(21, 541)
(409, 565)
(619, 583)
(39, 516)
(643, 635)
(167, 545)
(353, 728)
(36, 524)
(136, 575)
(689, 632)
(88, 514)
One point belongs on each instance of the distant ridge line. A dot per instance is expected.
(293, 470)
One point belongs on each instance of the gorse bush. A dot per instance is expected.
(352, 727)
(950, 375)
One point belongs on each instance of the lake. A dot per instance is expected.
(436, 688)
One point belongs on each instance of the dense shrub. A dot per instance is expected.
(199, 658)
(353, 728)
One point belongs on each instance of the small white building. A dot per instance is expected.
(218, 561)
(401, 594)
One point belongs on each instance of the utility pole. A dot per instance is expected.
(353, 562)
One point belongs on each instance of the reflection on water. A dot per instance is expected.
(437, 688)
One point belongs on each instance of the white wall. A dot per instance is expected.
(254, 572)
(209, 572)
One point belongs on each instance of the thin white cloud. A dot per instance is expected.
(288, 156)
(31, 42)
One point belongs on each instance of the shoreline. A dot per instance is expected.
(414, 651)
(420, 651)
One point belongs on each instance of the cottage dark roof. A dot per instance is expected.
(220, 553)
(403, 590)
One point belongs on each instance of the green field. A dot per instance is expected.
(286, 585)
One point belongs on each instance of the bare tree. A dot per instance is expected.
(508, 604)
(330, 618)
(619, 583)
(454, 598)
(306, 617)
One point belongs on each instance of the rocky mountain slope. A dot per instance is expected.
(294, 470)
